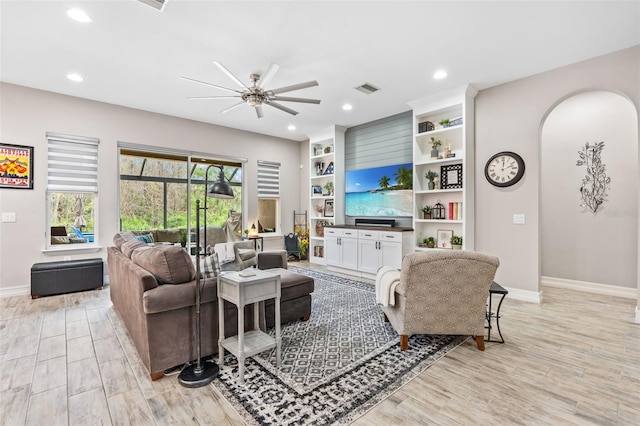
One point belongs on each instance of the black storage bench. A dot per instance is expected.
(66, 277)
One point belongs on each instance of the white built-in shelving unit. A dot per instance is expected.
(453, 105)
(326, 165)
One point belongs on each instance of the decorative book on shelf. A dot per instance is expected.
(455, 211)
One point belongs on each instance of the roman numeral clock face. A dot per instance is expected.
(504, 169)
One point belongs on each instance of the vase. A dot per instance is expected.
(431, 244)
(431, 185)
(456, 246)
(434, 153)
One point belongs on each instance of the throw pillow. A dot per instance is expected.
(121, 237)
(209, 266)
(145, 238)
(169, 264)
(129, 246)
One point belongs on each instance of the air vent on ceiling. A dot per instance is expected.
(156, 4)
(367, 88)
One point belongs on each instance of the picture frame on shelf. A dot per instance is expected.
(16, 164)
(329, 169)
(451, 176)
(317, 150)
(316, 190)
(328, 208)
(444, 238)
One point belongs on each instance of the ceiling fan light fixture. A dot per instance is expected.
(254, 100)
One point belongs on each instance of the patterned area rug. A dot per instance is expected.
(334, 367)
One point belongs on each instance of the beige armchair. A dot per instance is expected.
(442, 292)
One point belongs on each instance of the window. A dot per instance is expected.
(268, 196)
(72, 190)
(158, 190)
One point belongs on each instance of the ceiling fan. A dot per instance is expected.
(256, 95)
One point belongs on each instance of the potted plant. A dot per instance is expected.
(435, 143)
(429, 242)
(328, 188)
(444, 122)
(431, 175)
(182, 237)
(426, 212)
(456, 242)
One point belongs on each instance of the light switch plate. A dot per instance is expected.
(518, 218)
(8, 216)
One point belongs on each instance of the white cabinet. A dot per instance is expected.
(326, 187)
(362, 252)
(379, 248)
(341, 248)
(448, 118)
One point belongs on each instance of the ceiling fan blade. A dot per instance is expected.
(211, 85)
(268, 75)
(259, 111)
(283, 108)
(290, 99)
(233, 107)
(212, 97)
(230, 75)
(294, 87)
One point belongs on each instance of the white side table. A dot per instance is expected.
(243, 291)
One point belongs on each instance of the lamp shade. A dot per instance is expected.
(220, 189)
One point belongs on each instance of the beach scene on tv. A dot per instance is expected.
(380, 191)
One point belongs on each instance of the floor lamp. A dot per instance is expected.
(202, 373)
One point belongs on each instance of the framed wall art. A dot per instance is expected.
(16, 166)
(451, 176)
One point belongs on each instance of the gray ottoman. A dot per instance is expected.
(295, 299)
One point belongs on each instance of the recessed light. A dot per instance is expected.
(79, 15)
(440, 74)
(291, 127)
(347, 107)
(75, 77)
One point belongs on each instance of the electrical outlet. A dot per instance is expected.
(518, 218)
(8, 216)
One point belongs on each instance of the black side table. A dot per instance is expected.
(495, 289)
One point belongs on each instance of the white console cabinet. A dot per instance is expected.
(341, 247)
(363, 251)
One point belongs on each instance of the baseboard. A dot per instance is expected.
(604, 289)
(637, 321)
(524, 295)
(19, 290)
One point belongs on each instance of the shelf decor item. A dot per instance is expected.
(425, 126)
(320, 228)
(328, 208)
(435, 143)
(16, 166)
(426, 212)
(431, 175)
(329, 169)
(444, 238)
(456, 242)
(451, 176)
(438, 211)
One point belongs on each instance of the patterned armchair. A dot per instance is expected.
(442, 292)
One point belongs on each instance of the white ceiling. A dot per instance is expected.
(133, 55)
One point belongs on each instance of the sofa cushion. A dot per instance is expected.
(129, 246)
(169, 264)
(209, 266)
(246, 254)
(121, 237)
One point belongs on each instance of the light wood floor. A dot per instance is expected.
(574, 359)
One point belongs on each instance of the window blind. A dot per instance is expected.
(72, 163)
(268, 179)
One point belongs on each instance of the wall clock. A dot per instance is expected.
(504, 169)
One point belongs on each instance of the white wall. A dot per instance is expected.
(578, 244)
(27, 114)
(509, 117)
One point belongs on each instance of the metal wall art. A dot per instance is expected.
(596, 183)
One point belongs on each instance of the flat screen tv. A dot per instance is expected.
(380, 191)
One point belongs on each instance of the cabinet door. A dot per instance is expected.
(349, 247)
(391, 254)
(368, 256)
(332, 250)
